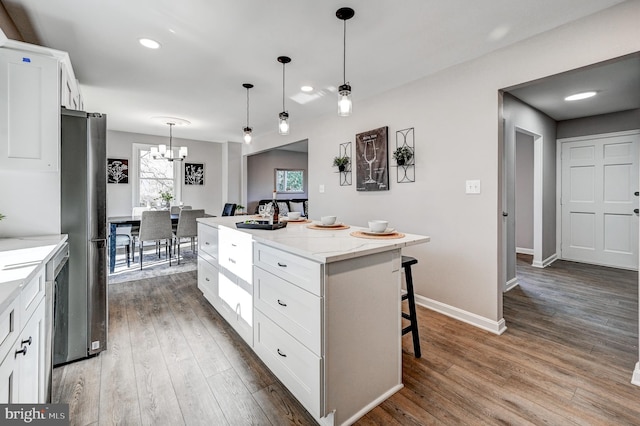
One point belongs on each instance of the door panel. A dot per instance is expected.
(599, 179)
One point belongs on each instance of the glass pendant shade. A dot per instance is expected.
(283, 126)
(344, 101)
(247, 135)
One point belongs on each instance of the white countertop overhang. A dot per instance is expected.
(325, 245)
(20, 261)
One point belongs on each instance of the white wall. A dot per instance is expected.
(208, 196)
(456, 118)
(597, 124)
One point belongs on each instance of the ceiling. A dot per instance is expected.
(616, 83)
(209, 48)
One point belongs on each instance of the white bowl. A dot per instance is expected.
(378, 225)
(328, 220)
(293, 215)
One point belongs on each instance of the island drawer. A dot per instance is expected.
(302, 272)
(236, 252)
(208, 243)
(208, 282)
(295, 310)
(297, 367)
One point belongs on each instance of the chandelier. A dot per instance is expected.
(169, 153)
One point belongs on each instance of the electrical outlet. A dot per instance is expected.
(472, 187)
(321, 189)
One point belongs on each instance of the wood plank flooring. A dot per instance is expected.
(565, 359)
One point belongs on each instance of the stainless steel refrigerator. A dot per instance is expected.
(80, 305)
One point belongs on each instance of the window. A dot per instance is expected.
(289, 180)
(154, 176)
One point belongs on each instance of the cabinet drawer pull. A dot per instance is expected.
(281, 303)
(206, 279)
(282, 265)
(206, 243)
(27, 341)
(233, 245)
(23, 351)
(232, 261)
(281, 354)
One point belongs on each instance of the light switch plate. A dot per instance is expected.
(321, 188)
(472, 187)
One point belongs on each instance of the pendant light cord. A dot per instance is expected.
(170, 135)
(344, 53)
(247, 107)
(283, 65)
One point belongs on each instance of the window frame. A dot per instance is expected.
(177, 175)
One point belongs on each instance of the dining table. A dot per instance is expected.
(116, 221)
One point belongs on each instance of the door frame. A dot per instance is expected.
(537, 193)
(559, 143)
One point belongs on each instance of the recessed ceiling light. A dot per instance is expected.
(306, 89)
(151, 44)
(579, 96)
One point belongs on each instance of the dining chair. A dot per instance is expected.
(123, 239)
(229, 209)
(175, 210)
(136, 212)
(155, 225)
(187, 227)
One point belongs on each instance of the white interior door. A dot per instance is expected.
(599, 182)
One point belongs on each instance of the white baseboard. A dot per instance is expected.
(548, 261)
(513, 282)
(496, 327)
(523, 250)
(635, 379)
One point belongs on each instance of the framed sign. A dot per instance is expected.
(372, 167)
(117, 170)
(194, 173)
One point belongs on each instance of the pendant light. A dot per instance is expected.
(344, 91)
(283, 126)
(170, 153)
(247, 130)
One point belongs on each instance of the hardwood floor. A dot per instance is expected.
(565, 359)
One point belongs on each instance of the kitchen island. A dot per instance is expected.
(320, 307)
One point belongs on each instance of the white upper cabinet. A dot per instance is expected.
(29, 111)
(70, 96)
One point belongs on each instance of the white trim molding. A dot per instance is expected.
(635, 379)
(512, 283)
(495, 327)
(548, 261)
(523, 250)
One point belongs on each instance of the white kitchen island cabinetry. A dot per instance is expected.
(326, 313)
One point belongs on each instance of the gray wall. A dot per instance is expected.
(598, 124)
(207, 196)
(524, 191)
(261, 174)
(519, 115)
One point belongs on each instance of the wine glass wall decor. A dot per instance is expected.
(372, 169)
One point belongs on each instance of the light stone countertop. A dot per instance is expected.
(21, 259)
(324, 245)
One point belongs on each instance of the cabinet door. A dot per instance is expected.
(31, 363)
(208, 282)
(9, 379)
(29, 111)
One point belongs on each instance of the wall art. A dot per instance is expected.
(372, 168)
(194, 173)
(117, 170)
